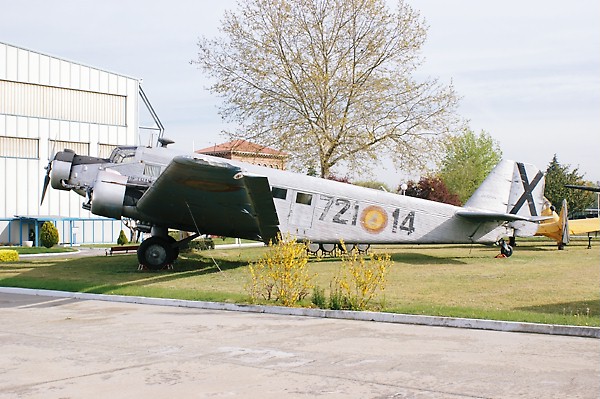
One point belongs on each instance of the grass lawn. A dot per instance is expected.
(537, 284)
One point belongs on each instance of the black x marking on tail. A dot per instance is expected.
(528, 190)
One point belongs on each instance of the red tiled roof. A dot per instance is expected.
(241, 146)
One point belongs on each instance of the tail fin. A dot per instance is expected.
(511, 187)
(526, 196)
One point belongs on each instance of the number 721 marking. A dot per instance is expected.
(340, 217)
(346, 216)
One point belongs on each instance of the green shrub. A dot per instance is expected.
(122, 240)
(9, 255)
(49, 235)
(201, 244)
(318, 297)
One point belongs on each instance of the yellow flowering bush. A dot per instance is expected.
(9, 255)
(281, 274)
(359, 280)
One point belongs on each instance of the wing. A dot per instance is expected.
(212, 198)
(485, 216)
(582, 226)
(586, 188)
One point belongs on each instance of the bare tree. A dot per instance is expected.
(329, 81)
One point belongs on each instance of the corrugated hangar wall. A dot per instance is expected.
(48, 104)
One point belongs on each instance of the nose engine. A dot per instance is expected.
(109, 194)
(61, 169)
(89, 177)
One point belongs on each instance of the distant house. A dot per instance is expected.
(245, 151)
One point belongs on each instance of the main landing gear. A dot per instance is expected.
(160, 251)
(156, 253)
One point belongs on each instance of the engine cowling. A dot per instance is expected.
(61, 169)
(109, 194)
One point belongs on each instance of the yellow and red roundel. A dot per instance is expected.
(374, 219)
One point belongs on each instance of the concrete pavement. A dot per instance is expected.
(70, 348)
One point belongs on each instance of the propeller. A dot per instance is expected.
(47, 177)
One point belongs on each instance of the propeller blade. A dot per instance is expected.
(47, 177)
(45, 187)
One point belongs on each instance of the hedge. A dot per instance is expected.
(9, 255)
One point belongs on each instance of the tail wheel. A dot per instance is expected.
(155, 253)
(505, 249)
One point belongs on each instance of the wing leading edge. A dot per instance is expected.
(211, 197)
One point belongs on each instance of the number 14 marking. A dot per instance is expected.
(408, 224)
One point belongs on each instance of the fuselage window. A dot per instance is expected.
(280, 193)
(303, 198)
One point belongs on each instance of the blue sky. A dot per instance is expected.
(528, 71)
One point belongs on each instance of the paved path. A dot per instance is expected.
(101, 251)
(68, 348)
(80, 251)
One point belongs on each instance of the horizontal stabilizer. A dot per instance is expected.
(488, 216)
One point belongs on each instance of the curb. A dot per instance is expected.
(49, 254)
(382, 317)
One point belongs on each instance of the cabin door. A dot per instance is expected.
(301, 210)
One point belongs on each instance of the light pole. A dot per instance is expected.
(403, 187)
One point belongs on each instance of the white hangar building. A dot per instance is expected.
(48, 104)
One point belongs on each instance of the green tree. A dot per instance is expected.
(557, 176)
(329, 81)
(468, 160)
(48, 235)
(122, 240)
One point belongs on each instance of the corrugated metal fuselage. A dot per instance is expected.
(327, 211)
(308, 208)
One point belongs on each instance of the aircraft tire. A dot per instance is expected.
(155, 253)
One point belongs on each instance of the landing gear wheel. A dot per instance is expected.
(155, 253)
(505, 249)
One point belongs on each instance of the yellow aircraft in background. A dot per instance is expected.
(560, 228)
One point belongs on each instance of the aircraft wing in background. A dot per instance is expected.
(586, 188)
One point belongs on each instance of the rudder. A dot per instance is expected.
(526, 191)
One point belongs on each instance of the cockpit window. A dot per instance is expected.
(122, 155)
